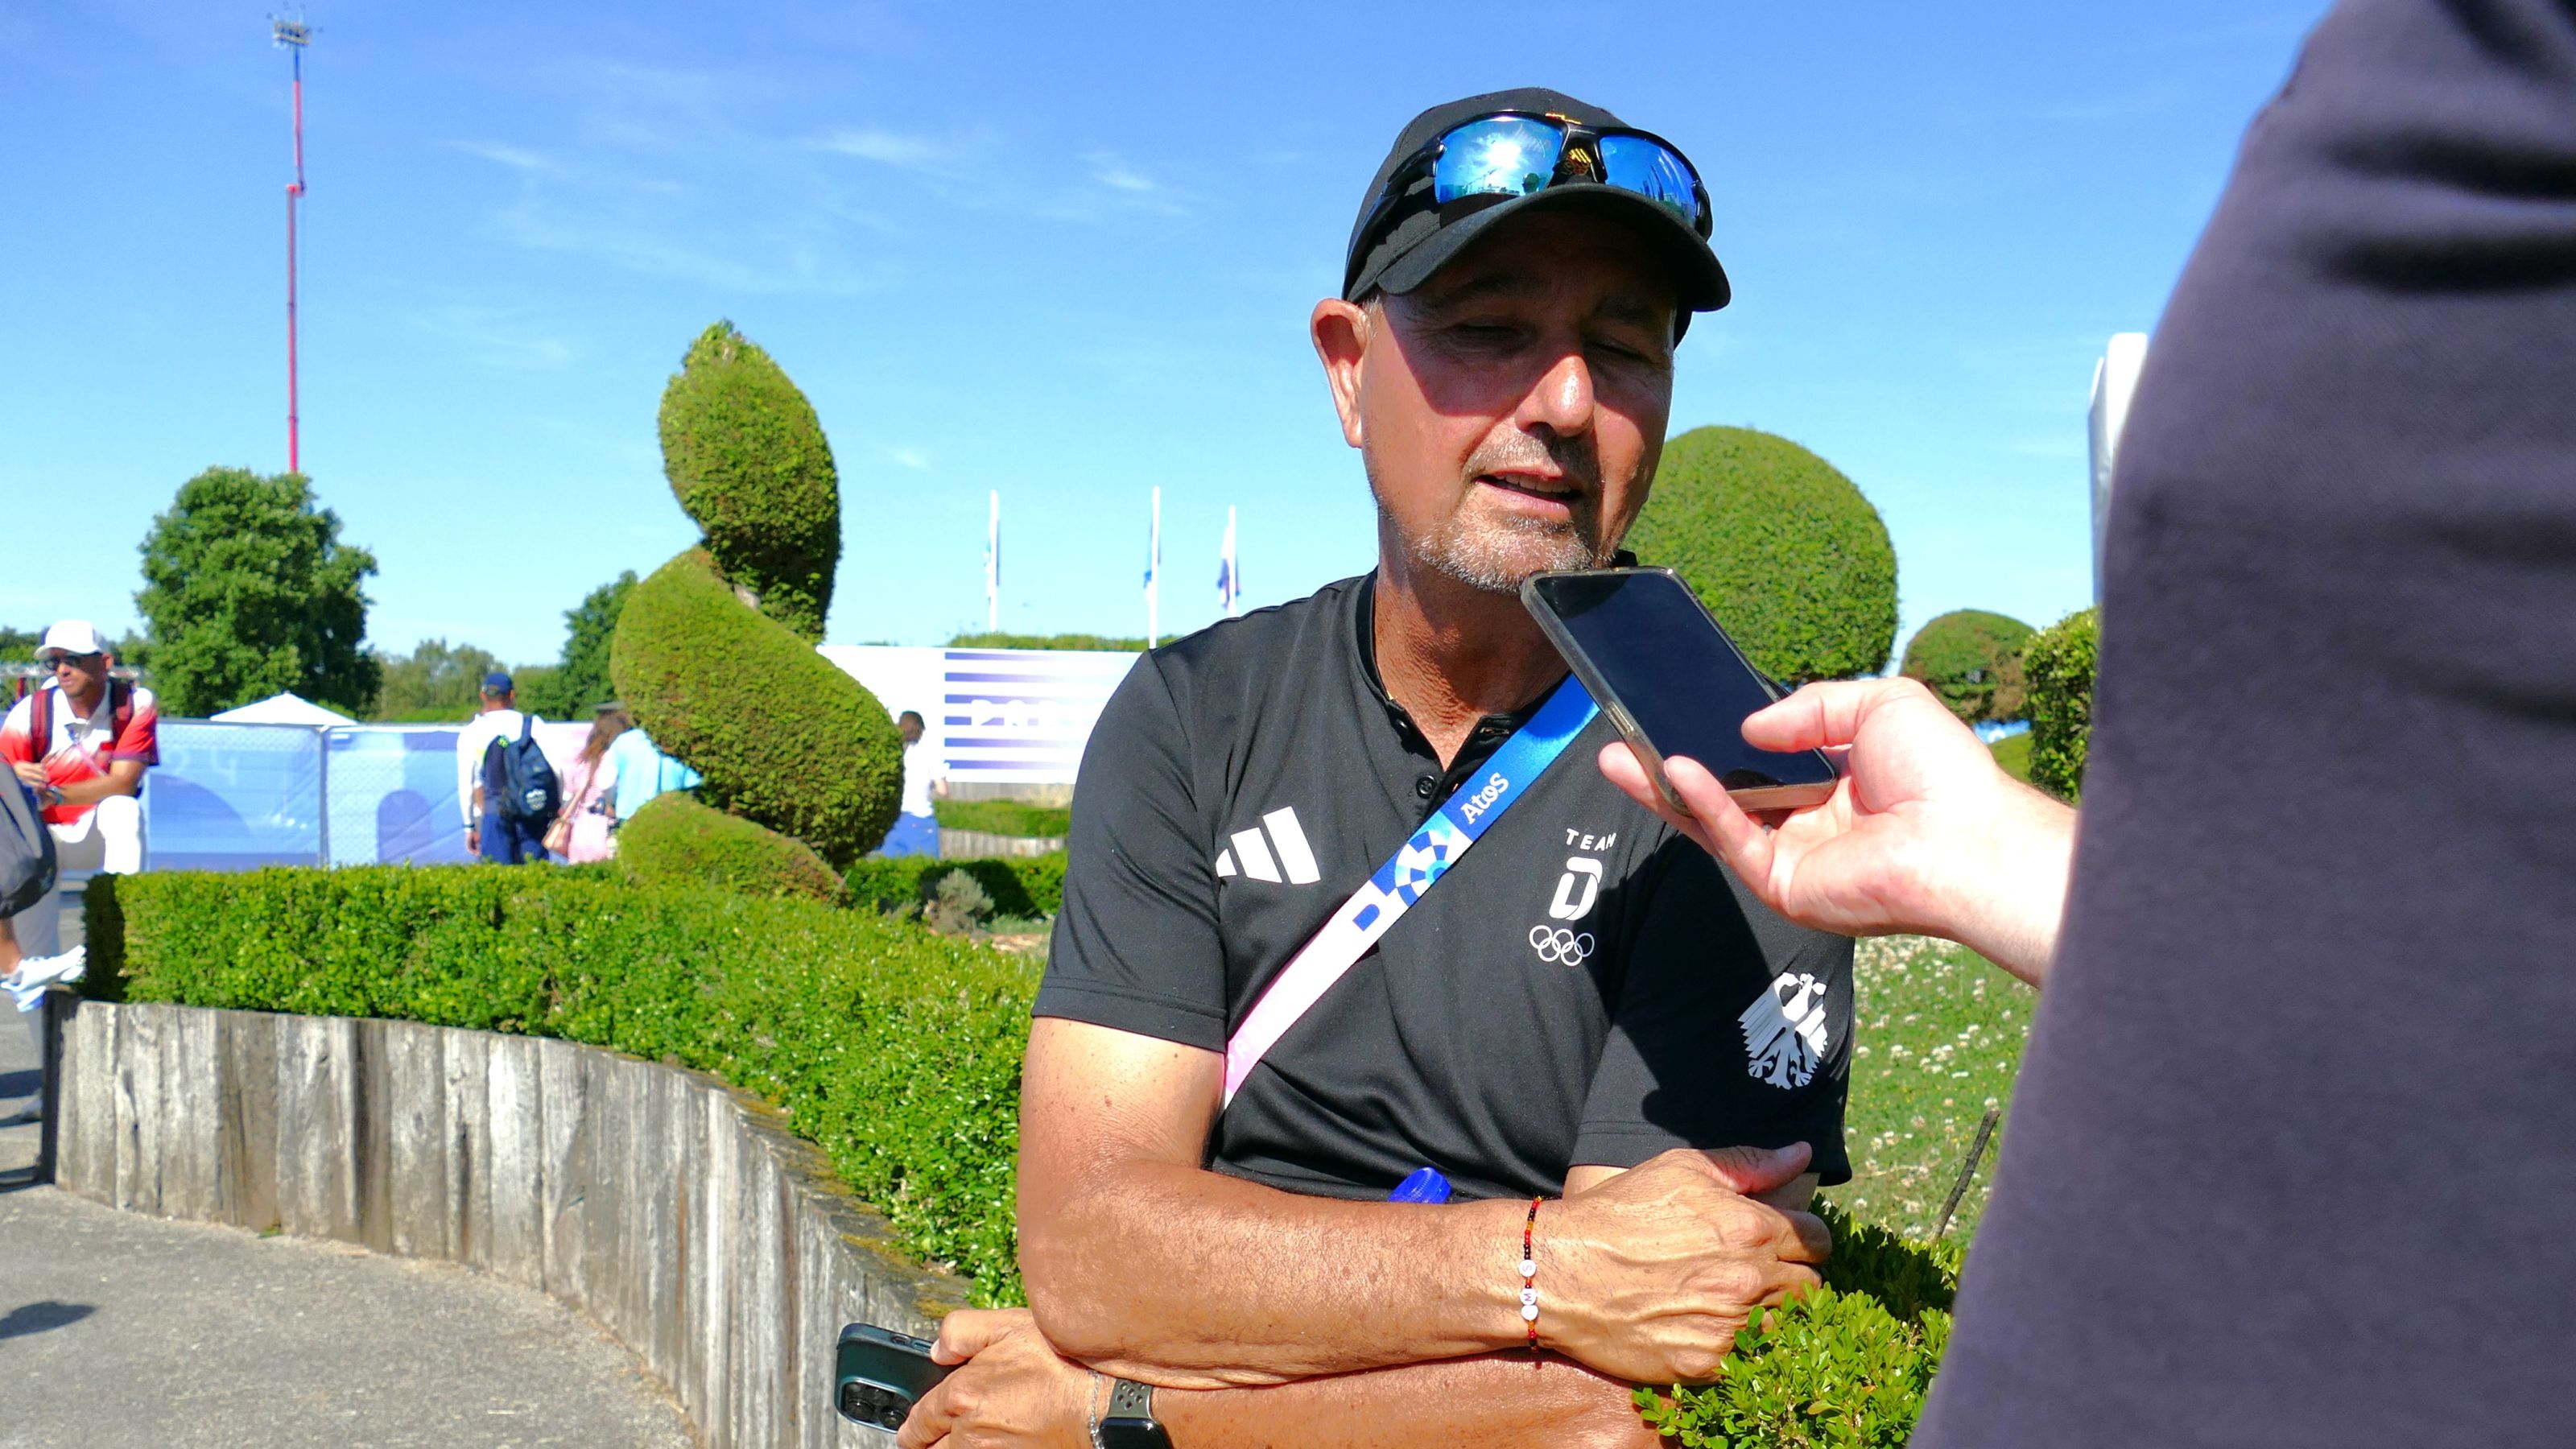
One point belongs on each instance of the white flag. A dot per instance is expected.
(1229, 574)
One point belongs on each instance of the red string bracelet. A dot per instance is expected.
(1529, 1276)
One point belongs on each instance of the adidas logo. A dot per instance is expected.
(1264, 857)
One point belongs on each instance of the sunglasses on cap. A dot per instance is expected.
(1517, 153)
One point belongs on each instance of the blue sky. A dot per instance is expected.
(1062, 251)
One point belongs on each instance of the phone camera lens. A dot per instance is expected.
(893, 1416)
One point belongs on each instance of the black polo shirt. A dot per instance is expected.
(1585, 986)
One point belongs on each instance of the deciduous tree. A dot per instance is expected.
(248, 590)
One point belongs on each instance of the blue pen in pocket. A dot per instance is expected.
(1423, 1184)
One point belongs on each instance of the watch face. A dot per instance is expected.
(1125, 1433)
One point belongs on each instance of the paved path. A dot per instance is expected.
(121, 1330)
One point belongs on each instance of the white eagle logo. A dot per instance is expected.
(1784, 1031)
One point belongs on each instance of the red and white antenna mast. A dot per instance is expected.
(293, 36)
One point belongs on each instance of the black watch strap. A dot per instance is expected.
(1129, 1421)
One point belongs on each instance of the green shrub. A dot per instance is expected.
(1781, 547)
(2058, 662)
(1972, 660)
(782, 736)
(1846, 1366)
(1026, 886)
(1005, 817)
(1082, 642)
(748, 460)
(894, 1050)
(676, 841)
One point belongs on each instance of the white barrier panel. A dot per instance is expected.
(1004, 716)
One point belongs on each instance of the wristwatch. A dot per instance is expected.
(1130, 1422)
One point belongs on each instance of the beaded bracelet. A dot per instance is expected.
(1529, 1276)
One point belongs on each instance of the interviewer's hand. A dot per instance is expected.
(1924, 833)
(1012, 1388)
(32, 775)
(1648, 1276)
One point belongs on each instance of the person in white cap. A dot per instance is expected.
(81, 741)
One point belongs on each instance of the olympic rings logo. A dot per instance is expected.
(1561, 945)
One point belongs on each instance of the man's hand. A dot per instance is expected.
(1923, 834)
(30, 774)
(1648, 1276)
(473, 841)
(1013, 1388)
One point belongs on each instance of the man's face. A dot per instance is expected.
(1511, 410)
(80, 675)
(909, 727)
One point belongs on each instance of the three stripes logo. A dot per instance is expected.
(1262, 853)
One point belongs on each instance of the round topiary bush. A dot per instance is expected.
(782, 736)
(748, 459)
(1972, 659)
(1782, 548)
(2058, 665)
(676, 841)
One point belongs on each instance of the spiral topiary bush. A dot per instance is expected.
(714, 652)
(677, 841)
(748, 460)
(783, 737)
(1782, 548)
(1972, 659)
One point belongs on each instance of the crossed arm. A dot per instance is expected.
(123, 777)
(1269, 1317)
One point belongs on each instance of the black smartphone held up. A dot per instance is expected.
(1669, 678)
(881, 1374)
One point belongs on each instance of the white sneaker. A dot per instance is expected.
(36, 973)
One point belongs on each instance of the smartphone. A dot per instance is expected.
(1669, 678)
(881, 1374)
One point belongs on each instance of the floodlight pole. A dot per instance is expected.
(294, 36)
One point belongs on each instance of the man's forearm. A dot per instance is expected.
(1212, 1281)
(121, 779)
(1499, 1399)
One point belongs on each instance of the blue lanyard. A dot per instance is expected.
(1416, 866)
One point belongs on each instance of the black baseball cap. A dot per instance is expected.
(1414, 239)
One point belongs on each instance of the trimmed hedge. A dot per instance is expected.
(894, 1050)
(1005, 817)
(1782, 548)
(1847, 1366)
(677, 841)
(2058, 663)
(1094, 643)
(782, 735)
(1028, 886)
(1972, 660)
(748, 460)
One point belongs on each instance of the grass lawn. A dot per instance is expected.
(2013, 753)
(1940, 1038)
(1003, 817)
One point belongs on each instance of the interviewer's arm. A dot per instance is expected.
(1142, 1262)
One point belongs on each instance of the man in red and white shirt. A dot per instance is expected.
(82, 742)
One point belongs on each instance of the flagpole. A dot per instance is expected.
(993, 566)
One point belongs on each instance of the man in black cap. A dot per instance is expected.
(1628, 1072)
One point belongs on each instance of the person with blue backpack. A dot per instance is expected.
(503, 781)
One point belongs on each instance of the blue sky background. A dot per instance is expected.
(1063, 251)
